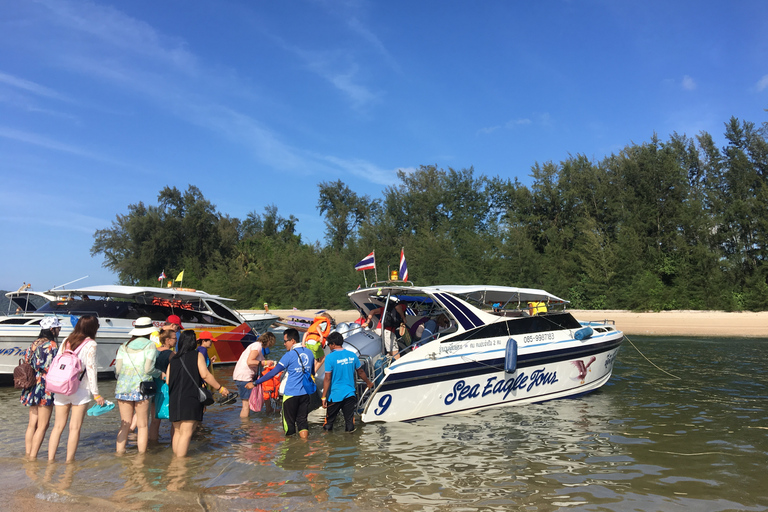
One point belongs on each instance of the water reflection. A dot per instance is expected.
(645, 441)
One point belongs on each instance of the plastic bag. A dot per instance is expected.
(256, 401)
(161, 402)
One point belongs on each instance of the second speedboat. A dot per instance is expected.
(502, 346)
(117, 308)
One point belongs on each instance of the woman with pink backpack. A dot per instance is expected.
(81, 343)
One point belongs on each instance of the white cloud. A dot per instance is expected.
(364, 169)
(517, 122)
(121, 31)
(512, 124)
(762, 84)
(31, 87)
(44, 142)
(688, 83)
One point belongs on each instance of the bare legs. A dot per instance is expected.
(182, 435)
(75, 424)
(39, 419)
(246, 410)
(127, 412)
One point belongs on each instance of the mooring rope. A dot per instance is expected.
(652, 363)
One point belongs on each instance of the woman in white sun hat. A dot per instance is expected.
(134, 364)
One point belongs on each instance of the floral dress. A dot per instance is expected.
(40, 355)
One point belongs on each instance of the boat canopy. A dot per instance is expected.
(132, 292)
(484, 294)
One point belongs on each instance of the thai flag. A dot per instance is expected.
(162, 276)
(367, 263)
(403, 266)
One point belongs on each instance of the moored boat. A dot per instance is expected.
(259, 321)
(117, 308)
(502, 346)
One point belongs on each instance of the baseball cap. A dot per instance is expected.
(174, 319)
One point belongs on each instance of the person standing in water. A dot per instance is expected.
(39, 401)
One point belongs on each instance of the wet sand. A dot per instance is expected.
(665, 323)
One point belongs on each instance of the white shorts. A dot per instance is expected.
(390, 341)
(79, 397)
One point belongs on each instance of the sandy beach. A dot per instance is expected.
(665, 323)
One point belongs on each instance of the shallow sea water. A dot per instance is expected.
(645, 441)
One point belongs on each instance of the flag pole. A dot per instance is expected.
(375, 272)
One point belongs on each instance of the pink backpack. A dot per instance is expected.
(66, 372)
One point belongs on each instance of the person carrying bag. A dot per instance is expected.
(134, 368)
(186, 373)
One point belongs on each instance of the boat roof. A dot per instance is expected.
(488, 294)
(124, 292)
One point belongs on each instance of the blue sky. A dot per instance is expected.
(102, 104)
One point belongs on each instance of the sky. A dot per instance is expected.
(103, 104)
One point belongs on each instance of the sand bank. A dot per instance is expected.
(665, 323)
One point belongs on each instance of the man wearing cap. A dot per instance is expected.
(172, 323)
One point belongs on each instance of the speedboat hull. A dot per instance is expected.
(468, 380)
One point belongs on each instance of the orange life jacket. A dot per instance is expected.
(318, 331)
(271, 388)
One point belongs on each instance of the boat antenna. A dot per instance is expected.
(65, 284)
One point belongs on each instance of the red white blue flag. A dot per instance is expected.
(403, 266)
(161, 276)
(367, 263)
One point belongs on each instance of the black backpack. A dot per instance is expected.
(391, 319)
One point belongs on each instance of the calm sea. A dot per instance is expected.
(645, 441)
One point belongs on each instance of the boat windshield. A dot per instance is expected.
(192, 312)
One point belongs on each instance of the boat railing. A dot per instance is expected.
(598, 322)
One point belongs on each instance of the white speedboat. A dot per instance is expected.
(504, 346)
(259, 321)
(118, 307)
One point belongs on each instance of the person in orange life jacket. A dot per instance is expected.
(297, 362)
(390, 333)
(314, 338)
(339, 384)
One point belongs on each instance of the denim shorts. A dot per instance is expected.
(244, 392)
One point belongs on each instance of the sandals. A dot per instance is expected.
(228, 399)
(98, 410)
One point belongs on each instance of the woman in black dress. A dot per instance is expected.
(186, 373)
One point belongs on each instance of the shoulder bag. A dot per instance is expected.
(204, 394)
(146, 387)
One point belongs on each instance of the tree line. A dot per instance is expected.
(666, 224)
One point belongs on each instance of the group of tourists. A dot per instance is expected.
(298, 368)
(173, 363)
(141, 368)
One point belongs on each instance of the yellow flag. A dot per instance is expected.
(180, 277)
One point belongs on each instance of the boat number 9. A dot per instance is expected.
(384, 403)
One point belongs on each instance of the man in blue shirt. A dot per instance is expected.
(339, 384)
(297, 362)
